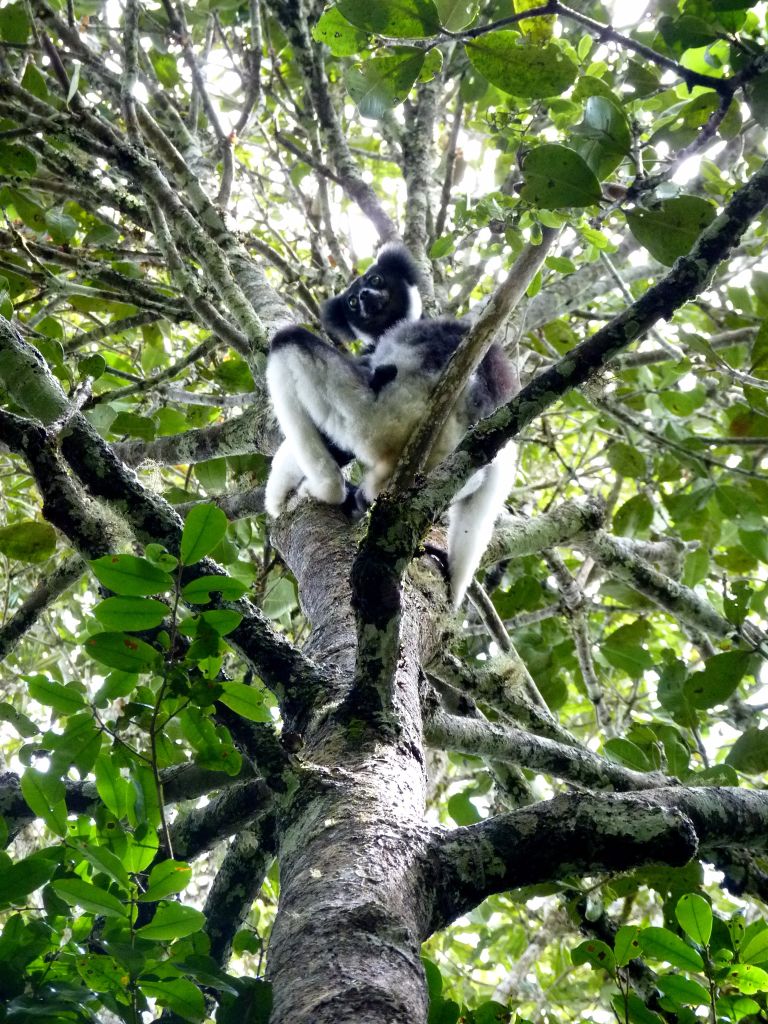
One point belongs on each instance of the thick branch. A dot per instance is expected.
(588, 834)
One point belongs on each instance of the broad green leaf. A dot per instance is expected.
(66, 699)
(457, 14)
(342, 38)
(747, 978)
(718, 679)
(246, 701)
(755, 950)
(89, 897)
(379, 84)
(750, 751)
(166, 68)
(131, 613)
(111, 786)
(556, 178)
(399, 19)
(28, 541)
(167, 877)
(662, 944)
(23, 877)
(683, 990)
(220, 620)
(694, 915)
(16, 160)
(626, 945)
(172, 921)
(462, 810)
(61, 227)
(626, 460)
(669, 229)
(199, 591)
(23, 725)
(141, 849)
(122, 651)
(181, 996)
(627, 753)
(104, 860)
(603, 138)
(595, 953)
(634, 1010)
(130, 576)
(44, 795)
(204, 527)
(101, 973)
(526, 70)
(14, 23)
(633, 517)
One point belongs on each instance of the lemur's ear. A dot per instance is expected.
(395, 260)
(333, 317)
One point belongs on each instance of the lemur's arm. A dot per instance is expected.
(318, 393)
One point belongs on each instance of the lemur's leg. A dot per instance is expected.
(472, 515)
(314, 389)
(284, 476)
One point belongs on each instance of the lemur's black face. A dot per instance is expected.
(384, 295)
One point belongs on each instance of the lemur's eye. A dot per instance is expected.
(376, 280)
(353, 302)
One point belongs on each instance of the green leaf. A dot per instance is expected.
(750, 752)
(246, 701)
(595, 953)
(89, 897)
(199, 591)
(16, 160)
(626, 944)
(166, 68)
(755, 950)
(62, 698)
(44, 795)
(122, 651)
(603, 138)
(457, 14)
(104, 860)
(682, 990)
(556, 177)
(130, 576)
(167, 877)
(694, 915)
(14, 23)
(23, 725)
(18, 880)
(380, 84)
(626, 460)
(718, 679)
(462, 810)
(627, 753)
(634, 516)
(172, 921)
(203, 529)
(662, 944)
(671, 227)
(131, 613)
(61, 227)
(747, 978)
(179, 995)
(342, 38)
(529, 71)
(101, 973)
(28, 541)
(400, 19)
(111, 786)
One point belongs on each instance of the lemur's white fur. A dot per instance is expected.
(315, 388)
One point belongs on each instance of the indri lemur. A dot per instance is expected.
(334, 406)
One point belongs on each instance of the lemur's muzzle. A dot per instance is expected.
(372, 301)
